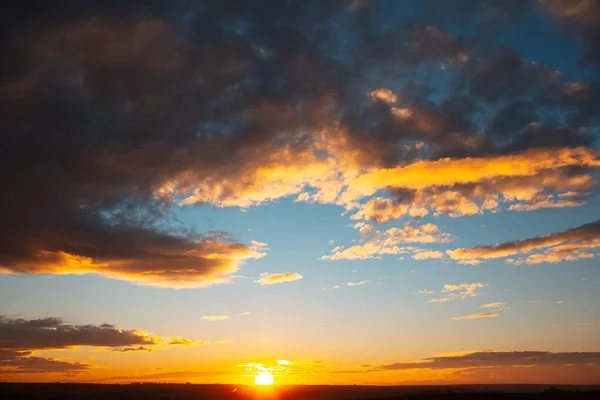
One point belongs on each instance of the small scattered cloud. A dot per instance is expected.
(356, 283)
(181, 341)
(498, 305)
(462, 291)
(244, 313)
(271, 279)
(215, 317)
(384, 95)
(470, 262)
(425, 255)
(375, 244)
(133, 349)
(475, 316)
(425, 291)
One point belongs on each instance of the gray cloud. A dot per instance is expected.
(53, 333)
(497, 359)
(22, 362)
(21, 338)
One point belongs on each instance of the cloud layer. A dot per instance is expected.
(483, 359)
(113, 116)
(569, 245)
(21, 338)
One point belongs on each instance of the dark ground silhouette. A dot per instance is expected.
(155, 391)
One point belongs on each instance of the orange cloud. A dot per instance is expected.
(546, 203)
(462, 291)
(499, 305)
(257, 148)
(449, 172)
(385, 95)
(565, 252)
(425, 255)
(520, 193)
(270, 279)
(379, 243)
(190, 265)
(474, 316)
(568, 245)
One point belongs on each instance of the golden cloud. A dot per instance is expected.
(474, 316)
(271, 279)
(385, 95)
(195, 264)
(378, 243)
(569, 245)
(426, 255)
(449, 172)
(462, 291)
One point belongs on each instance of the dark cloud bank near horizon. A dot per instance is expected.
(21, 338)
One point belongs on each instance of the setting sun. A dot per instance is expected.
(264, 378)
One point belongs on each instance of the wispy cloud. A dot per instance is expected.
(569, 245)
(462, 291)
(425, 255)
(475, 316)
(356, 283)
(483, 359)
(393, 241)
(498, 305)
(270, 279)
(215, 317)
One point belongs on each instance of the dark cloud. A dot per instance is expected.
(168, 375)
(53, 333)
(112, 113)
(18, 362)
(133, 349)
(582, 17)
(17, 334)
(497, 359)
(21, 338)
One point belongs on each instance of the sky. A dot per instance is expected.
(340, 192)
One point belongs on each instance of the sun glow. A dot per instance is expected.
(264, 378)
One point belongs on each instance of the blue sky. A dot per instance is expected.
(379, 186)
